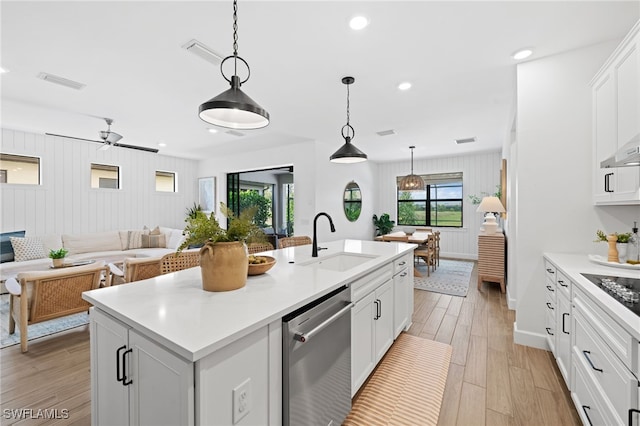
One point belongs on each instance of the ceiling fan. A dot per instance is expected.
(109, 139)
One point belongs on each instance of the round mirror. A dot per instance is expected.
(352, 201)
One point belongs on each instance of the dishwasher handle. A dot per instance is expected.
(304, 337)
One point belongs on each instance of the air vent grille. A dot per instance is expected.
(203, 51)
(61, 81)
(386, 132)
(466, 140)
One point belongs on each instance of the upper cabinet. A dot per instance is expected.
(616, 120)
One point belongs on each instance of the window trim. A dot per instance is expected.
(166, 173)
(106, 167)
(33, 159)
(433, 179)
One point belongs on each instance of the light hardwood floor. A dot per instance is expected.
(491, 380)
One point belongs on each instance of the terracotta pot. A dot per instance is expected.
(224, 266)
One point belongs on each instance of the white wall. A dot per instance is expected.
(480, 173)
(65, 203)
(554, 170)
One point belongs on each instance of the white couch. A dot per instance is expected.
(108, 246)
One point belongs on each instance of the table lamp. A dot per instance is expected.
(489, 206)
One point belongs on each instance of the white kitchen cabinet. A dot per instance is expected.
(134, 380)
(402, 292)
(563, 337)
(558, 318)
(550, 306)
(616, 119)
(371, 332)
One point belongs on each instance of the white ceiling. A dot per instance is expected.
(129, 55)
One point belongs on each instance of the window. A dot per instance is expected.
(165, 181)
(19, 169)
(105, 176)
(441, 198)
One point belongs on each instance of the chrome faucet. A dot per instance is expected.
(314, 252)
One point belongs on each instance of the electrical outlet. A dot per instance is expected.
(241, 400)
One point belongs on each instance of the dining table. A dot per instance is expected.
(418, 237)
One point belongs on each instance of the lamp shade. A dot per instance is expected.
(411, 183)
(491, 205)
(234, 109)
(348, 153)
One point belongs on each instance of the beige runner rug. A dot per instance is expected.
(407, 387)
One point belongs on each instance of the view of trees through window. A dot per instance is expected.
(438, 204)
(251, 198)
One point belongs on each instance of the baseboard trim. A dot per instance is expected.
(528, 338)
(511, 301)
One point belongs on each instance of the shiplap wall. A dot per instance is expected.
(65, 202)
(480, 173)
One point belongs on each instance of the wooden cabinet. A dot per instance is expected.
(134, 380)
(491, 259)
(402, 294)
(616, 120)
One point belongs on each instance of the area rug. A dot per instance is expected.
(38, 330)
(407, 387)
(451, 277)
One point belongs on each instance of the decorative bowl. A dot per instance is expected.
(409, 230)
(261, 268)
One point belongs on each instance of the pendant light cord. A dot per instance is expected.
(411, 160)
(235, 37)
(348, 126)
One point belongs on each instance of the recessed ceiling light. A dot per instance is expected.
(162, 144)
(2, 70)
(404, 85)
(522, 54)
(358, 22)
(212, 130)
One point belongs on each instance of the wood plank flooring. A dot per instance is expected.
(491, 380)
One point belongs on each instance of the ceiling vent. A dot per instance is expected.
(467, 140)
(386, 132)
(199, 49)
(61, 81)
(234, 133)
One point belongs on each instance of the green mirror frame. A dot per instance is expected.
(352, 201)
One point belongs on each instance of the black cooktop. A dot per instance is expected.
(624, 290)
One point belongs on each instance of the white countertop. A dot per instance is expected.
(176, 312)
(575, 264)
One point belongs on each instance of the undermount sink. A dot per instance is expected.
(339, 261)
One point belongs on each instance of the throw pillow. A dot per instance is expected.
(27, 248)
(154, 239)
(6, 250)
(134, 240)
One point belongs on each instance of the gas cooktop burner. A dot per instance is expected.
(624, 290)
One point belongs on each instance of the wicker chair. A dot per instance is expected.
(135, 269)
(172, 262)
(437, 247)
(294, 241)
(259, 247)
(427, 253)
(41, 296)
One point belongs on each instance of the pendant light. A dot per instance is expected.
(411, 182)
(233, 108)
(348, 153)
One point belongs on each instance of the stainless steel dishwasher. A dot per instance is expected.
(316, 342)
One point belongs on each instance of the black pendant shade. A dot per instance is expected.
(233, 108)
(348, 153)
(411, 182)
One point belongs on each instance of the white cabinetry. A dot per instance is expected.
(616, 120)
(134, 380)
(558, 318)
(550, 306)
(371, 323)
(402, 294)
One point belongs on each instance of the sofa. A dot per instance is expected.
(110, 247)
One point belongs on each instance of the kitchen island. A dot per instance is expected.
(164, 351)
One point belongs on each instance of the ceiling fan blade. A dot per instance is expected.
(104, 147)
(73, 137)
(140, 148)
(107, 145)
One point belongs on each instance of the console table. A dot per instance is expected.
(491, 259)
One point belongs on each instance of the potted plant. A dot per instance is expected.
(58, 257)
(384, 224)
(224, 260)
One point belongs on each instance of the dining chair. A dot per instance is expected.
(437, 247)
(44, 295)
(427, 253)
(135, 269)
(420, 229)
(301, 240)
(259, 247)
(172, 262)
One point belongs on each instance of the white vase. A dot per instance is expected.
(622, 251)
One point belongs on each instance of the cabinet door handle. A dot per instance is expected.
(607, 182)
(380, 307)
(402, 263)
(563, 317)
(119, 377)
(125, 382)
(631, 411)
(549, 306)
(377, 309)
(404, 274)
(584, 410)
(586, 355)
(562, 283)
(549, 331)
(549, 270)
(550, 288)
